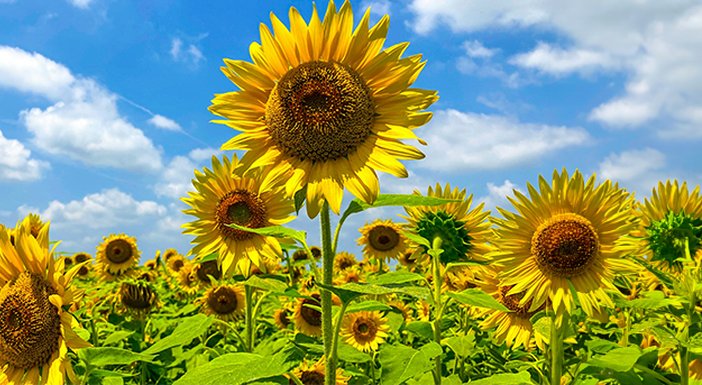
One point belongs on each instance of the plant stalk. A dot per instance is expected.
(249, 318)
(327, 276)
(558, 325)
(436, 263)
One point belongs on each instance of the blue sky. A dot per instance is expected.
(103, 104)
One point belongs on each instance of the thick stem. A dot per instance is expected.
(249, 318)
(327, 276)
(558, 325)
(436, 245)
(337, 328)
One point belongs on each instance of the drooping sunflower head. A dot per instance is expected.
(138, 297)
(325, 104)
(365, 330)
(224, 196)
(308, 318)
(79, 258)
(35, 331)
(281, 317)
(314, 374)
(383, 239)
(150, 265)
(117, 255)
(464, 231)
(344, 260)
(225, 302)
(206, 271)
(563, 237)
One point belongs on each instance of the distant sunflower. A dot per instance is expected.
(35, 224)
(137, 297)
(465, 232)
(175, 262)
(326, 105)
(207, 269)
(225, 302)
(224, 196)
(150, 265)
(382, 240)
(365, 330)
(67, 262)
(314, 374)
(344, 260)
(187, 279)
(351, 274)
(170, 253)
(562, 241)
(309, 320)
(281, 317)
(35, 330)
(79, 258)
(116, 255)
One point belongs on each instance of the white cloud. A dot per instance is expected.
(497, 196)
(655, 44)
(638, 170)
(189, 54)
(16, 162)
(467, 141)
(475, 48)
(175, 181)
(83, 123)
(82, 4)
(378, 7)
(164, 123)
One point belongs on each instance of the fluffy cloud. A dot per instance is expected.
(378, 7)
(16, 162)
(467, 141)
(638, 170)
(164, 123)
(654, 43)
(189, 54)
(83, 123)
(176, 179)
(497, 196)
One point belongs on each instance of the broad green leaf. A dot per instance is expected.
(187, 330)
(350, 354)
(235, 368)
(395, 278)
(351, 291)
(477, 297)
(400, 363)
(368, 306)
(423, 329)
(275, 231)
(620, 359)
(599, 345)
(418, 239)
(651, 300)
(209, 257)
(695, 344)
(117, 337)
(269, 284)
(461, 345)
(521, 378)
(103, 373)
(111, 356)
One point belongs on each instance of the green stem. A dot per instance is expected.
(436, 245)
(249, 318)
(556, 345)
(328, 273)
(337, 328)
(291, 271)
(93, 330)
(231, 328)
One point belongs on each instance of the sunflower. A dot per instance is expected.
(281, 317)
(224, 196)
(314, 374)
(562, 241)
(364, 330)
(150, 265)
(307, 319)
(137, 297)
(513, 327)
(35, 330)
(464, 232)
(225, 302)
(67, 262)
(670, 227)
(79, 258)
(175, 262)
(187, 279)
(207, 270)
(344, 260)
(351, 274)
(325, 105)
(35, 224)
(116, 255)
(170, 253)
(382, 240)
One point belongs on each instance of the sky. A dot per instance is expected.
(103, 104)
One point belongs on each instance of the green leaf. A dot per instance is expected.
(117, 337)
(102, 373)
(599, 345)
(269, 284)
(477, 297)
(209, 257)
(111, 356)
(521, 378)
(300, 197)
(620, 359)
(187, 330)
(350, 354)
(651, 300)
(461, 345)
(395, 278)
(418, 239)
(235, 369)
(423, 329)
(400, 363)
(352, 290)
(275, 231)
(368, 306)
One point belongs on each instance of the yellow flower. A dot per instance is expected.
(35, 331)
(79, 258)
(314, 374)
(281, 317)
(364, 330)
(137, 297)
(383, 240)
(325, 105)
(307, 319)
(344, 260)
(465, 233)
(225, 302)
(561, 241)
(116, 256)
(187, 279)
(175, 262)
(224, 196)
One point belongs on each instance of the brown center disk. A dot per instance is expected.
(320, 111)
(383, 238)
(364, 329)
(118, 251)
(30, 326)
(311, 316)
(208, 268)
(138, 297)
(565, 246)
(243, 208)
(222, 300)
(80, 258)
(311, 377)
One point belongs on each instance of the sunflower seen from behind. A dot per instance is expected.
(222, 196)
(35, 331)
(562, 240)
(326, 105)
(116, 256)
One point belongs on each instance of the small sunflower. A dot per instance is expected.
(207, 270)
(281, 317)
(562, 241)
(175, 262)
(365, 330)
(225, 302)
(170, 253)
(382, 240)
(150, 265)
(465, 233)
(344, 260)
(325, 105)
(35, 330)
(224, 196)
(35, 224)
(137, 297)
(187, 279)
(307, 319)
(116, 255)
(314, 374)
(351, 274)
(79, 258)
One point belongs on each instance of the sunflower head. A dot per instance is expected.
(344, 260)
(207, 270)
(175, 262)
(150, 265)
(170, 253)
(138, 297)
(308, 319)
(79, 258)
(314, 374)
(281, 317)
(117, 255)
(365, 330)
(382, 239)
(326, 105)
(187, 279)
(225, 302)
(674, 236)
(464, 231)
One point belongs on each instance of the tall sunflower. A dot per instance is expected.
(35, 331)
(116, 256)
(562, 240)
(224, 196)
(365, 330)
(382, 240)
(464, 231)
(326, 105)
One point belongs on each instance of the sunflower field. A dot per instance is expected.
(577, 282)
